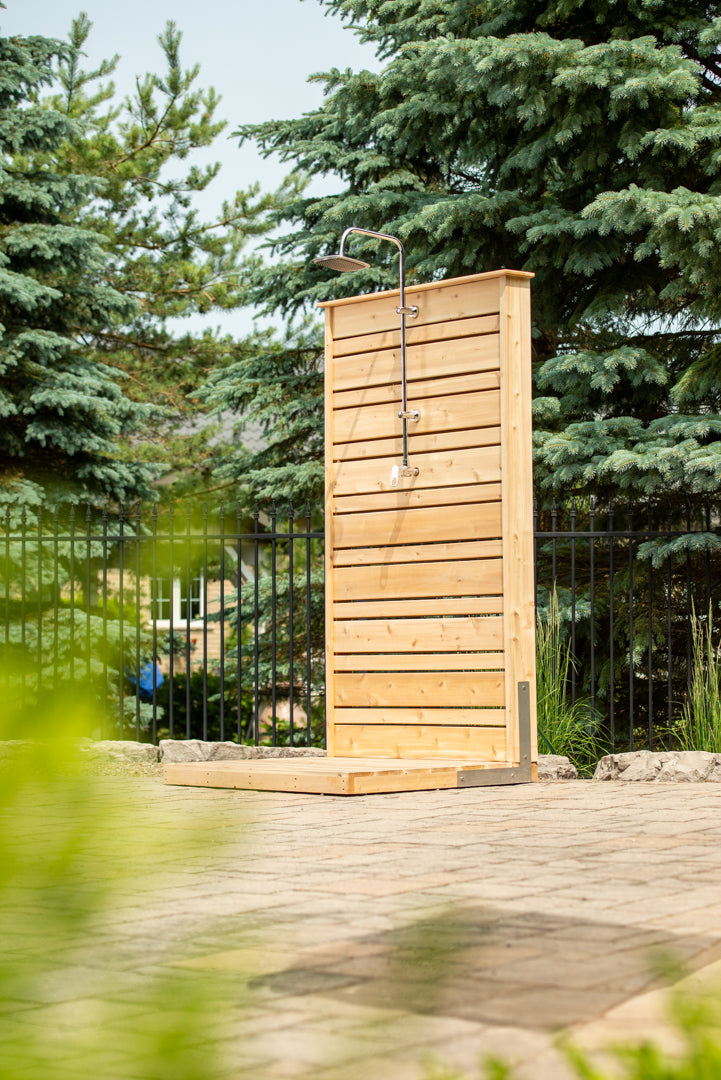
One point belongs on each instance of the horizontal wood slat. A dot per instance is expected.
(439, 606)
(419, 661)
(417, 335)
(437, 469)
(442, 304)
(473, 718)
(401, 498)
(438, 689)
(418, 526)
(457, 412)
(436, 360)
(480, 577)
(417, 390)
(427, 635)
(441, 442)
(420, 742)
(415, 553)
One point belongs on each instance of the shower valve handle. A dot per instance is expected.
(409, 414)
(411, 311)
(402, 470)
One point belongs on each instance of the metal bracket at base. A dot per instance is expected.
(515, 774)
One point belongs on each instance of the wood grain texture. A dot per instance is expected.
(418, 390)
(440, 606)
(405, 716)
(415, 553)
(417, 335)
(423, 635)
(420, 661)
(418, 526)
(435, 689)
(421, 581)
(448, 301)
(457, 412)
(479, 577)
(361, 740)
(435, 360)
(329, 534)
(479, 465)
(517, 505)
(443, 442)
(399, 498)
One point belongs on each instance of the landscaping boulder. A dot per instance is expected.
(118, 750)
(176, 750)
(673, 766)
(556, 767)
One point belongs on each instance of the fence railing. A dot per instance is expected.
(209, 623)
(194, 624)
(628, 581)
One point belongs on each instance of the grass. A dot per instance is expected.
(700, 726)
(565, 727)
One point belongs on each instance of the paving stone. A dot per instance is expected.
(543, 917)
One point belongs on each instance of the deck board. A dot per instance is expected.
(324, 776)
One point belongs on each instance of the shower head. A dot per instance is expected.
(340, 262)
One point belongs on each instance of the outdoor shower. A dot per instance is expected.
(346, 264)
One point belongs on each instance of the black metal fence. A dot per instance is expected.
(628, 582)
(204, 623)
(209, 622)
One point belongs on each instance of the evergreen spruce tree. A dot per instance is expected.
(163, 256)
(62, 409)
(577, 140)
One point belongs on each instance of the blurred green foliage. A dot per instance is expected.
(76, 857)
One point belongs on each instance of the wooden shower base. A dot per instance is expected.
(345, 776)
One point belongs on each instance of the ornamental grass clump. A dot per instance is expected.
(565, 727)
(700, 726)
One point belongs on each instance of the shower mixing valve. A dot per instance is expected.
(402, 470)
(409, 414)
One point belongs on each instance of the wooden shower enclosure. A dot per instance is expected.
(430, 612)
(429, 585)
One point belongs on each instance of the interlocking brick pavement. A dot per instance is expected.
(363, 937)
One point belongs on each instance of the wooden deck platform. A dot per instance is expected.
(336, 775)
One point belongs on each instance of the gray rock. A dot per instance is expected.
(118, 750)
(556, 767)
(675, 766)
(691, 766)
(176, 750)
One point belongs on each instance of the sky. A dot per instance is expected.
(258, 54)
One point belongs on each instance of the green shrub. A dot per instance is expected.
(564, 727)
(700, 725)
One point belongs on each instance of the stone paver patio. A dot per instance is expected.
(360, 937)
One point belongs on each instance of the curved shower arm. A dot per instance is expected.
(393, 240)
(405, 415)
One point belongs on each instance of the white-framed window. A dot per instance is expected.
(182, 597)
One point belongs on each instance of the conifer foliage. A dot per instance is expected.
(579, 140)
(62, 411)
(172, 262)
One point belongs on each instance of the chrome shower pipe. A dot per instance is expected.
(402, 310)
